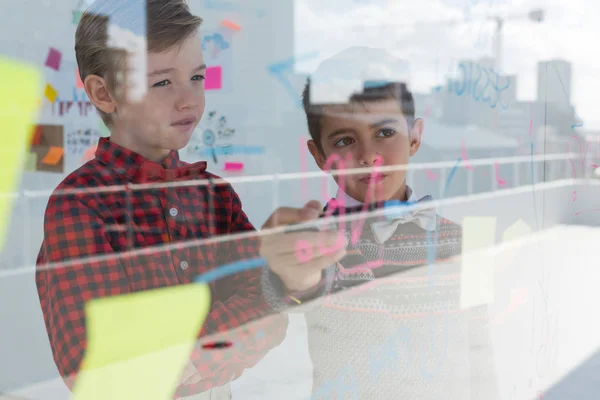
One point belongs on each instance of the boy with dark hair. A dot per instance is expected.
(386, 339)
(101, 215)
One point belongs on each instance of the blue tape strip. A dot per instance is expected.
(230, 269)
(256, 150)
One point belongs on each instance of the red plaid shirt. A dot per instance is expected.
(118, 221)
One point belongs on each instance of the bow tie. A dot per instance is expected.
(153, 172)
(396, 214)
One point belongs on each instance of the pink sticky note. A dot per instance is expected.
(233, 166)
(78, 81)
(53, 59)
(214, 77)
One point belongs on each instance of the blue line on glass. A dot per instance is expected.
(255, 150)
(484, 88)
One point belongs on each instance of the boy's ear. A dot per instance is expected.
(415, 135)
(316, 153)
(97, 90)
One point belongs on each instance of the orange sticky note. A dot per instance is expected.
(89, 154)
(231, 25)
(54, 155)
(78, 81)
(50, 93)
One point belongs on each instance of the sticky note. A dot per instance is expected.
(516, 230)
(214, 79)
(31, 159)
(78, 81)
(36, 138)
(104, 131)
(231, 25)
(477, 269)
(233, 166)
(19, 91)
(89, 154)
(138, 344)
(76, 16)
(53, 156)
(53, 58)
(50, 93)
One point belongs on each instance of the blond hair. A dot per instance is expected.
(167, 23)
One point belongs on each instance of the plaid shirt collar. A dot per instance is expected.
(127, 162)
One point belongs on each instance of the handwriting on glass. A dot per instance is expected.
(482, 84)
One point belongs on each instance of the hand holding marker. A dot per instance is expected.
(279, 251)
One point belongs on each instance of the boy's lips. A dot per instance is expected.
(375, 177)
(184, 124)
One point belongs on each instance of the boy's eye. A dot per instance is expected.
(161, 83)
(387, 132)
(344, 142)
(198, 77)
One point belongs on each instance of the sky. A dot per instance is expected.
(432, 35)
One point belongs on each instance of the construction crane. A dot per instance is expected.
(536, 15)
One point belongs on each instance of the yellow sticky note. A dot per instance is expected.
(19, 90)
(477, 264)
(104, 131)
(138, 344)
(516, 230)
(50, 93)
(30, 164)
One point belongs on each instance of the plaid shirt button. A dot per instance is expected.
(173, 211)
(183, 265)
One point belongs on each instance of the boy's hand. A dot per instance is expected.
(299, 257)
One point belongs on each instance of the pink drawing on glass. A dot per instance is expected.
(463, 154)
(432, 176)
(303, 169)
(582, 156)
(499, 180)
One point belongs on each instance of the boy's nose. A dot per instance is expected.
(188, 98)
(370, 157)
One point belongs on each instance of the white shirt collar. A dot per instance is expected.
(349, 201)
